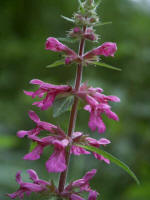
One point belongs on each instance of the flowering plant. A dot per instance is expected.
(96, 103)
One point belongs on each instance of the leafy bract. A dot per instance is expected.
(68, 19)
(32, 146)
(56, 64)
(97, 2)
(102, 23)
(112, 159)
(69, 40)
(101, 64)
(62, 105)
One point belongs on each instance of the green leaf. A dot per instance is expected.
(32, 146)
(112, 159)
(97, 2)
(102, 23)
(56, 64)
(105, 65)
(68, 19)
(61, 105)
(69, 40)
(80, 3)
(81, 7)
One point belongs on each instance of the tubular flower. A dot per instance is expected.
(106, 49)
(97, 104)
(73, 190)
(85, 140)
(58, 139)
(54, 45)
(37, 186)
(51, 92)
(56, 162)
(40, 125)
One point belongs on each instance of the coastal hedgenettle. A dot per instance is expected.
(71, 142)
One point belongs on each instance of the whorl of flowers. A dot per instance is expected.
(96, 103)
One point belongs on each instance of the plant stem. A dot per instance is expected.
(73, 114)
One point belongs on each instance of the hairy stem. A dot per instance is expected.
(73, 114)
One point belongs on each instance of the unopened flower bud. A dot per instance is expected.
(75, 32)
(90, 35)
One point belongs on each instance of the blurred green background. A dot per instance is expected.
(25, 25)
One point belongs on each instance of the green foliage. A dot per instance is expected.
(68, 19)
(62, 105)
(56, 64)
(32, 146)
(112, 159)
(105, 65)
(69, 40)
(102, 23)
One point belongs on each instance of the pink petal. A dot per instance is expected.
(18, 177)
(47, 126)
(76, 197)
(60, 144)
(13, 195)
(89, 175)
(39, 93)
(57, 162)
(36, 82)
(76, 135)
(32, 174)
(54, 45)
(93, 195)
(93, 142)
(28, 93)
(78, 150)
(111, 115)
(22, 133)
(38, 104)
(88, 108)
(104, 141)
(99, 157)
(106, 49)
(35, 154)
(32, 187)
(96, 122)
(113, 98)
(48, 101)
(33, 116)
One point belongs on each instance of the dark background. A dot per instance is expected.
(25, 25)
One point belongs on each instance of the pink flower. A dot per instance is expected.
(56, 162)
(106, 49)
(51, 92)
(73, 190)
(40, 125)
(97, 104)
(54, 45)
(37, 186)
(85, 140)
(58, 139)
(93, 195)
